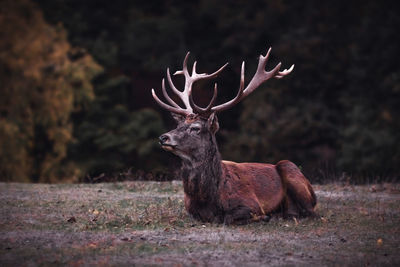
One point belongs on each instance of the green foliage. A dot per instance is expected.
(374, 146)
(110, 137)
(340, 105)
(272, 127)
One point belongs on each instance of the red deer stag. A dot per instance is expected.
(225, 191)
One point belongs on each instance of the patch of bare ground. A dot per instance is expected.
(144, 223)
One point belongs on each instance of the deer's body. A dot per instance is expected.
(230, 192)
(250, 191)
(225, 191)
(245, 191)
(253, 186)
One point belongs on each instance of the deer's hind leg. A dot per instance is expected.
(301, 198)
(290, 208)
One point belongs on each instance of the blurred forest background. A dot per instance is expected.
(75, 81)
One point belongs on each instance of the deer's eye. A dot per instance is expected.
(195, 129)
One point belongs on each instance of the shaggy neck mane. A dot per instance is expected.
(201, 175)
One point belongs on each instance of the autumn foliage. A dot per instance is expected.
(43, 80)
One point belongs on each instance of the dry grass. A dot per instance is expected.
(145, 223)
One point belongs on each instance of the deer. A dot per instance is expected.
(220, 191)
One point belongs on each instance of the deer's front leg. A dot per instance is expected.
(239, 215)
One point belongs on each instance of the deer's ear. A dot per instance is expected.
(177, 117)
(212, 123)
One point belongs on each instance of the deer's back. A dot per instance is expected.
(255, 185)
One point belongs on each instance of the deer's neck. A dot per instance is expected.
(201, 176)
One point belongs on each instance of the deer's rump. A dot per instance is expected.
(258, 189)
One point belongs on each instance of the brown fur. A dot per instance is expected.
(264, 189)
(230, 192)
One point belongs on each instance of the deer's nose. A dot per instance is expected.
(163, 138)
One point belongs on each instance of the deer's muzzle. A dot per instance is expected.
(163, 139)
(165, 142)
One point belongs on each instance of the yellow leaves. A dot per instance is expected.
(13, 153)
(42, 87)
(94, 211)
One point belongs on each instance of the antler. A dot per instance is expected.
(186, 96)
(259, 77)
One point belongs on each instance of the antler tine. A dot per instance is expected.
(171, 84)
(200, 110)
(283, 73)
(236, 99)
(214, 74)
(263, 60)
(184, 70)
(261, 75)
(172, 102)
(168, 107)
(194, 67)
(197, 76)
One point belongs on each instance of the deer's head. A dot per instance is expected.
(194, 137)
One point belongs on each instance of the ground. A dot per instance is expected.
(145, 223)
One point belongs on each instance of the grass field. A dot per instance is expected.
(145, 223)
